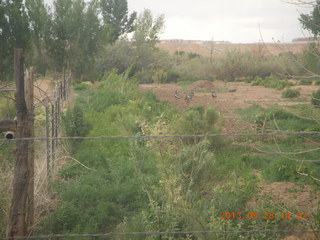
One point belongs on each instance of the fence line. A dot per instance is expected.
(54, 103)
(274, 134)
(162, 233)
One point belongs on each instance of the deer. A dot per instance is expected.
(189, 96)
(176, 94)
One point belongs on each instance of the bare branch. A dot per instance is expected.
(301, 3)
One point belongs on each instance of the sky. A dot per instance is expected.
(237, 21)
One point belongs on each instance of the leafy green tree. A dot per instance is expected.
(311, 58)
(148, 29)
(57, 33)
(18, 23)
(72, 38)
(84, 42)
(38, 15)
(14, 33)
(311, 21)
(5, 62)
(116, 20)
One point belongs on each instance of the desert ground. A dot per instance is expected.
(226, 102)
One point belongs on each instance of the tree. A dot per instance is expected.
(18, 23)
(38, 19)
(311, 21)
(73, 35)
(88, 43)
(57, 33)
(116, 21)
(14, 33)
(5, 64)
(147, 29)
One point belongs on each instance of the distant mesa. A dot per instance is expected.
(199, 42)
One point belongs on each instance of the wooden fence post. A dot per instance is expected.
(48, 141)
(52, 134)
(20, 214)
(30, 108)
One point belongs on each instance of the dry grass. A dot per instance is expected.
(205, 48)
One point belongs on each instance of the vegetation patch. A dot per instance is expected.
(271, 81)
(290, 93)
(315, 98)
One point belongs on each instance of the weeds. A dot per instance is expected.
(271, 81)
(290, 93)
(315, 98)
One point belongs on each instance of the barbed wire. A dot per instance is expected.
(162, 233)
(169, 136)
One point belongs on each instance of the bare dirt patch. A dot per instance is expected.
(226, 102)
(302, 197)
(202, 85)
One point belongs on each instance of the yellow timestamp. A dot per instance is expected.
(263, 215)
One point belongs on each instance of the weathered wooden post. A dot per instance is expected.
(21, 210)
(30, 108)
(48, 141)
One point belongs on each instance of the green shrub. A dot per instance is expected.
(317, 81)
(248, 79)
(75, 125)
(257, 81)
(290, 93)
(311, 58)
(271, 81)
(228, 197)
(211, 116)
(192, 55)
(197, 120)
(98, 202)
(305, 81)
(102, 99)
(315, 98)
(235, 64)
(191, 122)
(194, 165)
(287, 170)
(172, 76)
(281, 170)
(82, 86)
(254, 161)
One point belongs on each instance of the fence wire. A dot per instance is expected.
(162, 234)
(169, 136)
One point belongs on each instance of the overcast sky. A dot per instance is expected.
(226, 20)
(236, 21)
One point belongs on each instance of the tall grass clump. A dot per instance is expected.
(198, 120)
(75, 125)
(290, 93)
(315, 98)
